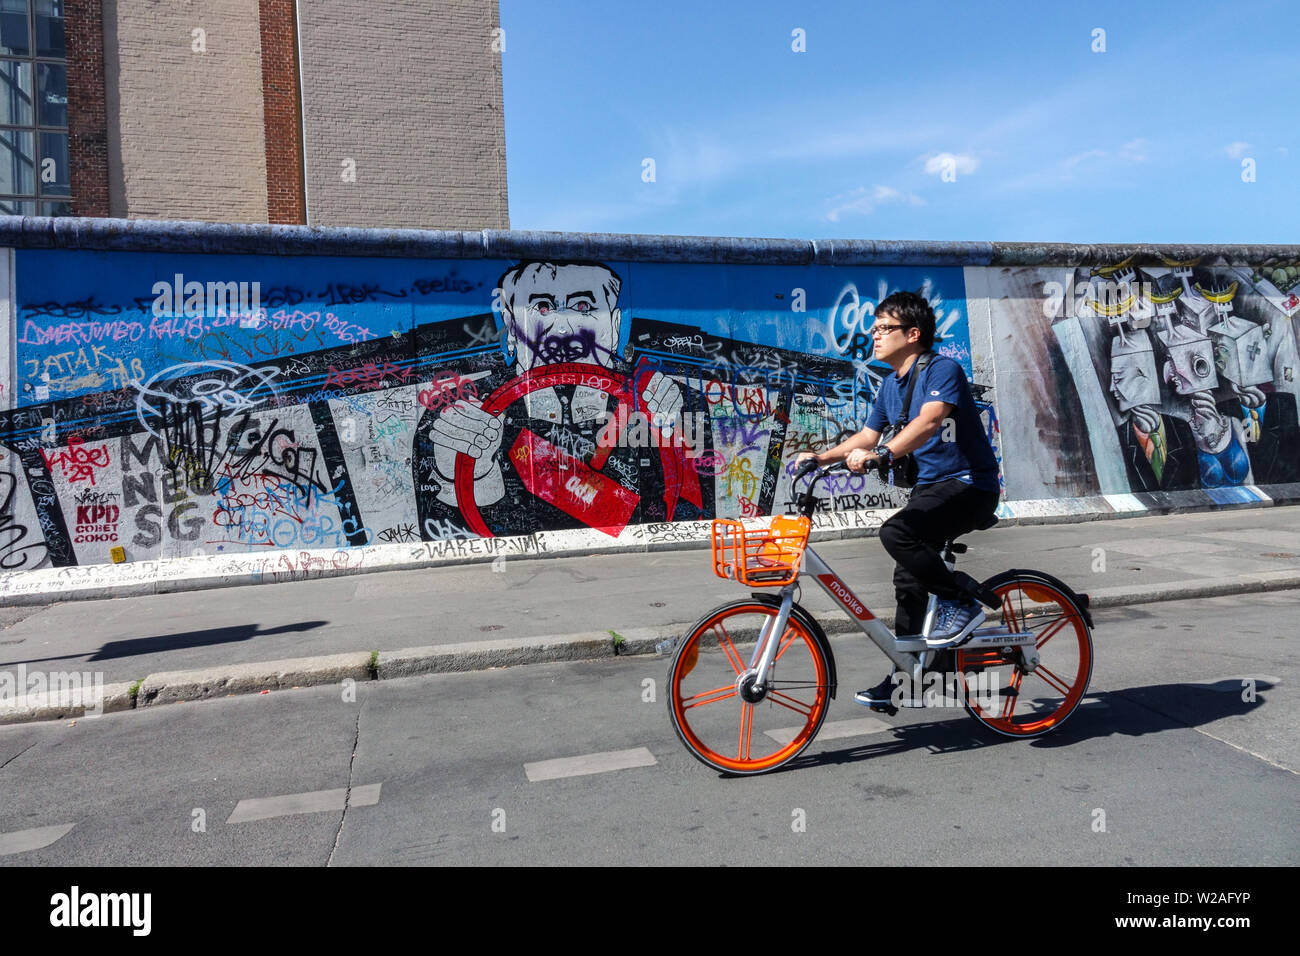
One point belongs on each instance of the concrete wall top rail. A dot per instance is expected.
(143, 235)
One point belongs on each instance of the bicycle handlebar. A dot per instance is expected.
(805, 499)
(812, 464)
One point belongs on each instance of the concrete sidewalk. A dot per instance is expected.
(191, 645)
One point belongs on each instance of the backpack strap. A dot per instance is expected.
(918, 368)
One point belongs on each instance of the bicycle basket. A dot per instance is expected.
(763, 557)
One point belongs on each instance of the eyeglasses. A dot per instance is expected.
(880, 330)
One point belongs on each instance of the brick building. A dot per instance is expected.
(382, 113)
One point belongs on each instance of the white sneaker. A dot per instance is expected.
(955, 620)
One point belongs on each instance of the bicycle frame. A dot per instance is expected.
(909, 654)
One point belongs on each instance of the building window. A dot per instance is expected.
(35, 177)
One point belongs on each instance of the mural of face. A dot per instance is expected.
(1133, 372)
(1190, 366)
(1241, 352)
(556, 312)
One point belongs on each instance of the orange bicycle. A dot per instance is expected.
(1001, 671)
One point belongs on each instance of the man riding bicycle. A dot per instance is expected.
(956, 486)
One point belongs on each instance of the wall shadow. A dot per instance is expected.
(209, 637)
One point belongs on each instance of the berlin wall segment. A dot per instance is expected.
(181, 403)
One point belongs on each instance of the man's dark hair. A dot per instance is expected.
(910, 311)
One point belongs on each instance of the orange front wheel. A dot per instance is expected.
(711, 699)
(1009, 696)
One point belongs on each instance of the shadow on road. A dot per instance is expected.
(1133, 711)
(173, 642)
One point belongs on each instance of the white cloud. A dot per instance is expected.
(962, 163)
(694, 159)
(1236, 150)
(827, 142)
(1071, 161)
(863, 201)
(1134, 151)
(694, 155)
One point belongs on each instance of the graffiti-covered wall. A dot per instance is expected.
(174, 391)
(173, 404)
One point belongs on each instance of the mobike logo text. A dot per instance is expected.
(847, 597)
(97, 522)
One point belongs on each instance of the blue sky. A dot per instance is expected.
(1048, 140)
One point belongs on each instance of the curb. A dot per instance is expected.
(1259, 582)
(167, 687)
(513, 651)
(51, 705)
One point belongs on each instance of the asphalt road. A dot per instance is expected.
(1181, 768)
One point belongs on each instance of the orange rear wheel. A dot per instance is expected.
(1005, 696)
(706, 685)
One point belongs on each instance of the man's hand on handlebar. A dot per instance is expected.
(859, 460)
(808, 462)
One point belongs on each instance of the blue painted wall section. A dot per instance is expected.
(183, 403)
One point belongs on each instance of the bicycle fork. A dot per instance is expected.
(753, 683)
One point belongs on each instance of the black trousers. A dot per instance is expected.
(914, 538)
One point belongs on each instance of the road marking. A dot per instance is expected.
(589, 763)
(318, 801)
(20, 841)
(834, 730)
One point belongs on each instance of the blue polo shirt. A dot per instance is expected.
(968, 456)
